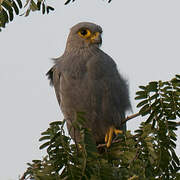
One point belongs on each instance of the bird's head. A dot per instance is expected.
(85, 34)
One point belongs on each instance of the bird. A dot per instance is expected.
(86, 79)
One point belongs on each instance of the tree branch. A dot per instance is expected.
(130, 117)
(178, 123)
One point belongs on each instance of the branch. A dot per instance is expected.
(136, 115)
(178, 123)
(130, 117)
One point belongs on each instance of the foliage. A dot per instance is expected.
(10, 8)
(7, 10)
(147, 154)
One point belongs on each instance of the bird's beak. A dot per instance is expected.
(96, 38)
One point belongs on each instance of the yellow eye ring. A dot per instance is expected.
(85, 33)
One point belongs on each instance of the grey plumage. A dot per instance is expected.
(87, 80)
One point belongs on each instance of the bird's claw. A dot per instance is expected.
(109, 135)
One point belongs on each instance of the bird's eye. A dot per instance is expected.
(85, 33)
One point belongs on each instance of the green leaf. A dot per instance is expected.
(165, 157)
(47, 132)
(33, 6)
(156, 104)
(11, 15)
(39, 5)
(36, 161)
(152, 87)
(166, 89)
(174, 165)
(57, 123)
(44, 145)
(153, 154)
(141, 95)
(155, 96)
(172, 123)
(148, 111)
(89, 143)
(43, 8)
(67, 2)
(146, 131)
(175, 158)
(7, 5)
(142, 103)
(176, 81)
(15, 8)
(172, 144)
(48, 8)
(144, 110)
(19, 3)
(138, 131)
(172, 135)
(151, 117)
(129, 155)
(45, 138)
(142, 87)
(177, 76)
(5, 19)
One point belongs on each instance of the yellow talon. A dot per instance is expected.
(117, 131)
(106, 138)
(109, 135)
(111, 129)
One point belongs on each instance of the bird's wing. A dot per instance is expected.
(118, 92)
(54, 76)
(114, 94)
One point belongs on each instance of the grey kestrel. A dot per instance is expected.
(86, 79)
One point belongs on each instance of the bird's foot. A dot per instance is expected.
(109, 135)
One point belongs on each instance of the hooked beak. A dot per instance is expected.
(96, 38)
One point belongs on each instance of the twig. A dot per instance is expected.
(130, 117)
(178, 123)
(104, 145)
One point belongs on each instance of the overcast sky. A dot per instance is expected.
(143, 37)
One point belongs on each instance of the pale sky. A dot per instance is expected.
(143, 37)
